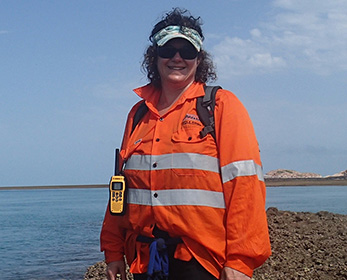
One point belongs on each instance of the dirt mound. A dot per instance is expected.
(305, 246)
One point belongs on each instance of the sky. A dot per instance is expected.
(68, 69)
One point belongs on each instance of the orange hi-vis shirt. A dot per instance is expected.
(210, 193)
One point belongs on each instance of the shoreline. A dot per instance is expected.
(270, 182)
(296, 182)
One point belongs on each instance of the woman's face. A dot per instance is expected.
(177, 71)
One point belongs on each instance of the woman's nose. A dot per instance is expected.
(177, 56)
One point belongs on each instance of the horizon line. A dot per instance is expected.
(92, 186)
(270, 182)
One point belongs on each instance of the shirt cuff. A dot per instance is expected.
(242, 264)
(113, 256)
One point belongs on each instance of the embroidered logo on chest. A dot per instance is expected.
(191, 120)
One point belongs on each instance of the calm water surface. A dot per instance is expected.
(50, 234)
(308, 199)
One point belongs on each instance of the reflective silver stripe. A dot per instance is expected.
(173, 161)
(139, 196)
(176, 197)
(241, 168)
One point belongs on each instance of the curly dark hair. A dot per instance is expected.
(181, 17)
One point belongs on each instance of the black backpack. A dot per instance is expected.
(204, 106)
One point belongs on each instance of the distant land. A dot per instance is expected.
(285, 177)
(274, 178)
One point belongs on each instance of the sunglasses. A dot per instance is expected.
(187, 52)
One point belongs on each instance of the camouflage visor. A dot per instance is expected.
(173, 31)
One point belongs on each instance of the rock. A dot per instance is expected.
(96, 272)
(305, 246)
(340, 174)
(285, 173)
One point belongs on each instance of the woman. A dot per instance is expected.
(204, 198)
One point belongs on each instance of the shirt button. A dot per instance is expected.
(155, 195)
(157, 140)
(189, 138)
(161, 119)
(155, 165)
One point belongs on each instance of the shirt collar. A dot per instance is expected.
(151, 94)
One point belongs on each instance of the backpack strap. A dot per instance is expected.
(141, 111)
(205, 108)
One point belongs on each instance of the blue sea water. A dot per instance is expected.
(50, 234)
(308, 199)
(54, 234)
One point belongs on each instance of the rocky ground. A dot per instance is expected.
(306, 246)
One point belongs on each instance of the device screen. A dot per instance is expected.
(117, 186)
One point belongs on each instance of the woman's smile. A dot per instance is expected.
(176, 67)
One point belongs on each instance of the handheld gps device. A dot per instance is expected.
(117, 190)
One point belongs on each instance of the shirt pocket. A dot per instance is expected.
(187, 135)
(190, 150)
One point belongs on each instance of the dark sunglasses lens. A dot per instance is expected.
(185, 53)
(166, 52)
(188, 53)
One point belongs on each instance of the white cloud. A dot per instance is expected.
(314, 32)
(301, 34)
(237, 56)
(256, 33)
(265, 60)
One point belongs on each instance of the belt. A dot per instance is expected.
(159, 234)
(168, 241)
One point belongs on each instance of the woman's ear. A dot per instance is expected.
(198, 61)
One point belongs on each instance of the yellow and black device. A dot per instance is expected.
(117, 203)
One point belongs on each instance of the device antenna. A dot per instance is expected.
(116, 166)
